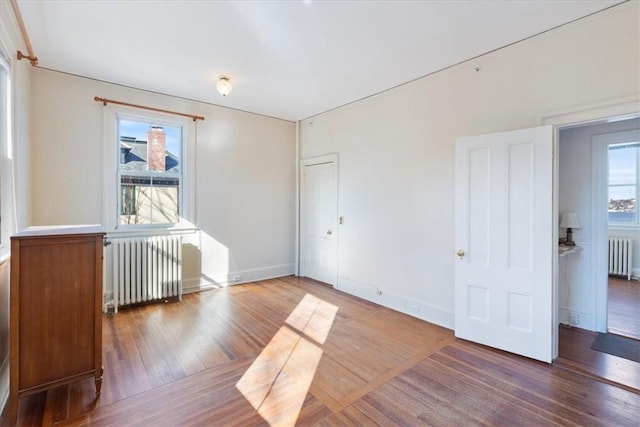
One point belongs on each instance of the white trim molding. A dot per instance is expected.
(618, 109)
(624, 107)
(412, 307)
(236, 277)
(599, 224)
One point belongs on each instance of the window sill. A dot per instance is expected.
(623, 227)
(152, 231)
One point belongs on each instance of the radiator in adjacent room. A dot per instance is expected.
(620, 256)
(146, 269)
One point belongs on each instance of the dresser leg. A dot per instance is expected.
(12, 410)
(99, 382)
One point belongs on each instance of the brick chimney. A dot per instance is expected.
(156, 149)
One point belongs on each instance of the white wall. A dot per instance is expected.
(578, 284)
(245, 176)
(396, 150)
(14, 193)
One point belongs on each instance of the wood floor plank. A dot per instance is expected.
(575, 354)
(452, 388)
(449, 397)
(391, 373)
(623, 307)
(483, 398)
(386, 412)
(293, 351)
(350, 416)
(550, 390)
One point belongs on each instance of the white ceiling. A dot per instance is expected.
(286, 59)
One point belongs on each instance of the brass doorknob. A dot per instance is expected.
(460, 253)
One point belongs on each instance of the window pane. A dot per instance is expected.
(128, 206)
(623, 165)
(622, 203)
(150, 173)
(623, 186)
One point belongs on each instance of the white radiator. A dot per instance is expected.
(620, 256)
(146, 269)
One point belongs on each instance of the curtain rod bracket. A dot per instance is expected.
(32, 59)
(106, 101)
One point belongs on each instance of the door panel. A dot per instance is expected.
(503, 280)
(520, 205)
(479, 206)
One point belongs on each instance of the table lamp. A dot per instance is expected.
(569, 221)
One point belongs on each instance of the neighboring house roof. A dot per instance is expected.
(135, 156)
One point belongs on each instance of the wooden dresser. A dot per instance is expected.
(55, 309)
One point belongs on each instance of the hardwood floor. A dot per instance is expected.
(575, 354)
(575, 351)
(624, 307)
(292, 351)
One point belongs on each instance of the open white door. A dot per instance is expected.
(503, 237)
(318, 219)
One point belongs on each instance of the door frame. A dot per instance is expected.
(600, 229)
(620, 108)
(310, 161)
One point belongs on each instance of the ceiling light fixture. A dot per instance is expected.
(224, 85)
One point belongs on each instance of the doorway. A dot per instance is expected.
(587, 304)
(583, 192)
(318, 218)
(623, 293)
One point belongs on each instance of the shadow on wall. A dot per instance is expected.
(196, 273)
(140, 267)
(210, 262)
(191, 263)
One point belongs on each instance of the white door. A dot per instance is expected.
(318, 219)
(504, 240)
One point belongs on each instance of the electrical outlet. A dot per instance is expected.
(236, 278)
(574, 319)
(378, 292)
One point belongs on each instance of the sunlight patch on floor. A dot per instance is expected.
(313, 317)
(277, 382)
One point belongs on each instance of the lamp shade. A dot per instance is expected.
(569, 220)
(224, 86)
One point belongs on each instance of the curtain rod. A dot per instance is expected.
(106, 101)
(33, 59)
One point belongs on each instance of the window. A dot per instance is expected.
(624, 162)
(5, 128)
(149, 172)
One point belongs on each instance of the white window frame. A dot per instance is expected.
(111, 216)
(6, 148)
(615, 138)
